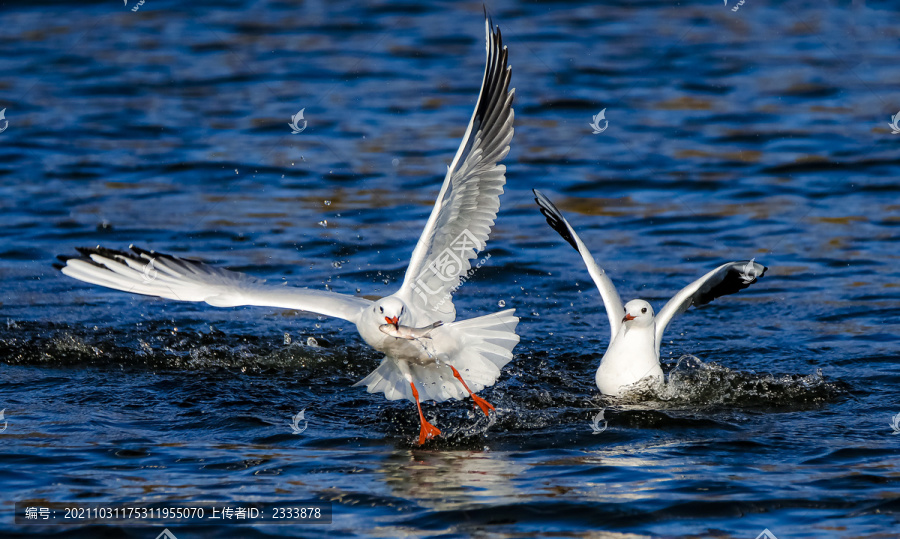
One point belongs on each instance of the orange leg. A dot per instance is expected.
(483, 404)
(428, 430)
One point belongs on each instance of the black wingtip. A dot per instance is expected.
(141, 252)
(494, 30)
(554, 217)
(734, 279)
(756, 276)
(59, 266)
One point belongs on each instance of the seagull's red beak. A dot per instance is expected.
(395, 320)
(628, 317)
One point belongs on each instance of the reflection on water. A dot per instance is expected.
(454, 480)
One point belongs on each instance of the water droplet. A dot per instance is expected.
(501, 303)
(358, 290)
(312, 342)
(287, 338)
(323, 223)
(336, 265)
(328, 203)
(395, 162)
(236, 171)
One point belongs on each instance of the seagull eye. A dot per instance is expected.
(644, 310)
(381, 309)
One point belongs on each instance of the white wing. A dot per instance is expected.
(615, 311)
(166, 276)
(464, 213)
(722, 281)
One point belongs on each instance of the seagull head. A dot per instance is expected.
(390, 310)
(638, 313)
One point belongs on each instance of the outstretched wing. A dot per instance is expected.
(615, 311)
(722, 281)
(166, 276)
(467, 205)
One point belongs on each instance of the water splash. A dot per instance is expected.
(691, 382)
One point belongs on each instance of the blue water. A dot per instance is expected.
(761, 133)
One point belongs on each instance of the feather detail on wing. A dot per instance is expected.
(615, 311)
(727, 279)
(461, 221)
(166, 276)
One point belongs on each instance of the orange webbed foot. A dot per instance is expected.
(483, 404)
(427, 432)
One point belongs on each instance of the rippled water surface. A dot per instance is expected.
(759, 133)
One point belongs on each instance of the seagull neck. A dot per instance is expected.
(631, 332)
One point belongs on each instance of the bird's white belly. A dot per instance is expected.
(631, 357)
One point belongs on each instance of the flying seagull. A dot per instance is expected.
(457, 359)
(633, 352)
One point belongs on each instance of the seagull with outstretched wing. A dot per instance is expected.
(633, 352)
(457, 359)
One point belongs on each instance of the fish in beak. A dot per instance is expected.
(406, 332)
(395, 321)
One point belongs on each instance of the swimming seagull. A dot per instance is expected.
(633, 352)
(457, 359)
